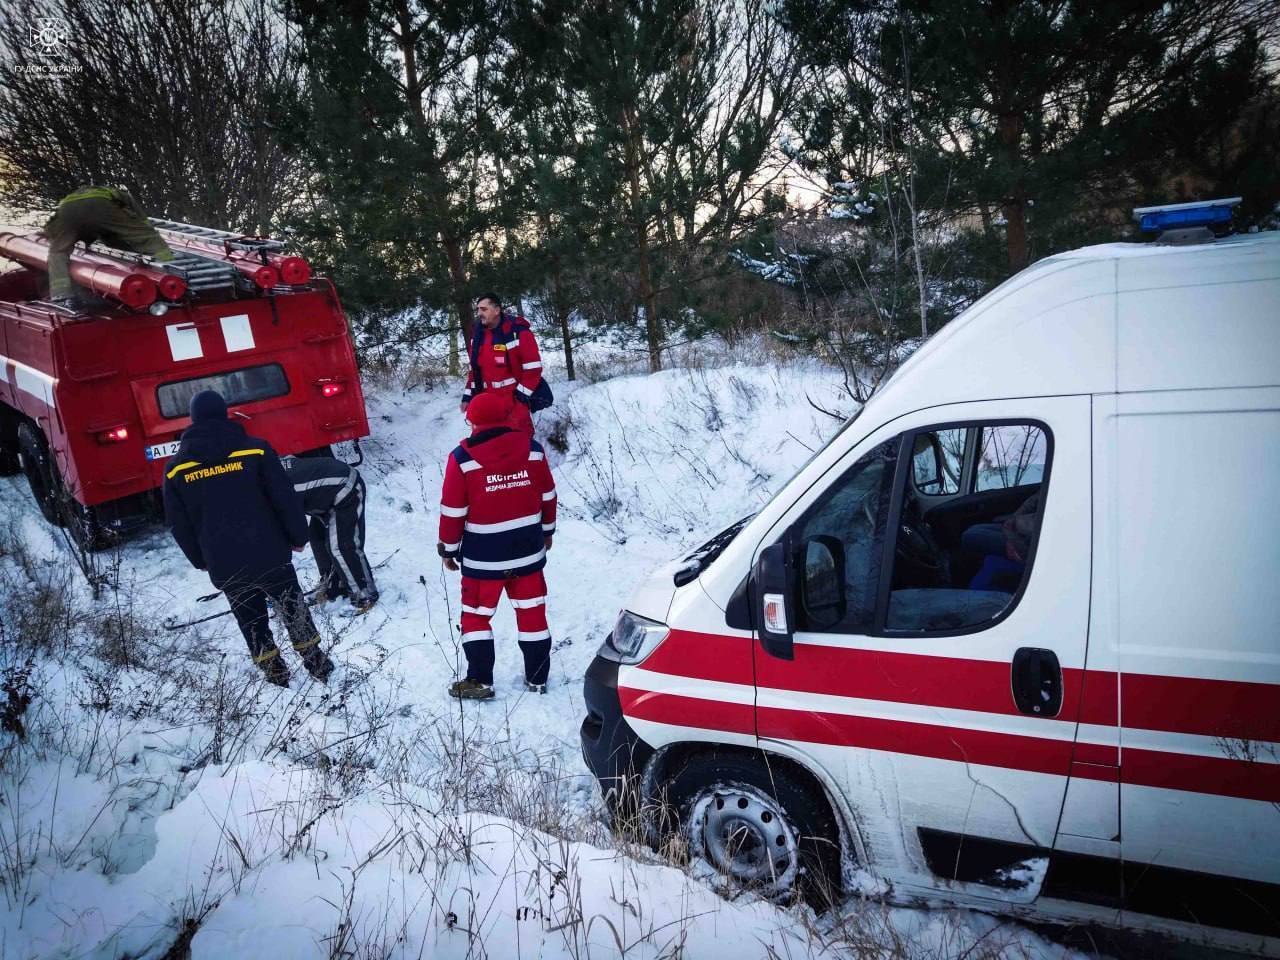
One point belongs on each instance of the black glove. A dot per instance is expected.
(521, 397)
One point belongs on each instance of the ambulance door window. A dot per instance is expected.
(960, 564)
(843, 535)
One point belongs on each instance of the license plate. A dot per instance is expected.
(162, 451)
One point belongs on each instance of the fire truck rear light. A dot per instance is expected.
(117, 435)
(332, 389)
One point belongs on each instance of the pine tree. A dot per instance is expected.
(392, 123)
(1033, 113)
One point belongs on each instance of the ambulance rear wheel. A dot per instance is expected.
(33, 453)
(758, 827)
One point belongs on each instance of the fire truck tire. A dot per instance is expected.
(33, 453)
(759, 827)
(325, 451)
(9, 461)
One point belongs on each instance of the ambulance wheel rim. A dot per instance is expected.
(746, 836)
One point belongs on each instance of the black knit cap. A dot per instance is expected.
(208, 405)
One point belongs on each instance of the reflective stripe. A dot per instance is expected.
(513, 564)
(451, 547)
(523, 637)
(477, 635)
(246, 453)
(322, 482)
(533, 365)
(529, 603)
(182, 466)
(453, 511)
(536, 455)
(468, 465)
(548, 528)
(505, 525)
(480, 611)
(307, 644)
(264, 657)
(525, 390)
(503, 383)
(549, 495)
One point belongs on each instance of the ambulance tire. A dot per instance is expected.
(37, 465)
(775, 810)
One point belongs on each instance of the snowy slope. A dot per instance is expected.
(379, 817)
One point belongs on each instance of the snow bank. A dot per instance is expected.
(179, 796)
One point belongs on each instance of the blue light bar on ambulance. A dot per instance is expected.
(1174, 216)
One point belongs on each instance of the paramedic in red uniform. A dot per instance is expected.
(497, 517)
(504, 360)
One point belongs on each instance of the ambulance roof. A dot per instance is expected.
(1107, 318)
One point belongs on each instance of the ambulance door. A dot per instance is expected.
(923, 618)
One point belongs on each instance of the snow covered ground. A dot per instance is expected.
(163, 794)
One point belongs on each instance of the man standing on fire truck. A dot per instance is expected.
(233, 512)
(108, 214)
(498, 515)
(504, 360)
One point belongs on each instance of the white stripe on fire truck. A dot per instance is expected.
(29, 380)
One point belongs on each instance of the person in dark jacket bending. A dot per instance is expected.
(333, 497)
(234, 513)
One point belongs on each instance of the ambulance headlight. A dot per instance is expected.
(633, 638)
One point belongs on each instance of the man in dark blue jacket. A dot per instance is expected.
(234, 513)
(333, 496)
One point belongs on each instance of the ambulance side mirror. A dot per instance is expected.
(822, 590)
(773, 589)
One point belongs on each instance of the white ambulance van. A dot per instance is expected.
(1012, 638)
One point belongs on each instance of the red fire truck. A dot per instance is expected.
(94, 397)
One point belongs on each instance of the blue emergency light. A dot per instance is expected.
(1181, 216)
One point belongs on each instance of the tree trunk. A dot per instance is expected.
(1014, 207)
(458, 285)
(562, 315)
(454, 368)
(644, 285)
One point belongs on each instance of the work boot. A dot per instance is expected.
(363, 605)
(317, 664)
(535, 687)
(73, 303)
(469, 689)
(274, 670)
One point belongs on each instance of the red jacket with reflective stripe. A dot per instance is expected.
(497, 504)
(507, 357)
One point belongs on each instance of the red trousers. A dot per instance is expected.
(528, 594)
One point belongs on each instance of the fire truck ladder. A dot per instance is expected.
(204, 275)
(232, 241)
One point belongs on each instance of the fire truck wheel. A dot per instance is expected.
(33, 453)
(763, 831)
(325, 451)
(9, 462)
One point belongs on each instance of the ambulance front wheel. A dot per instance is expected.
(756, 825)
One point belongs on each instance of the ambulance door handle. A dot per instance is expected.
(1036, 682)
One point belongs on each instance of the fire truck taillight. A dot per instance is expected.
(333, 389)
(116, 435)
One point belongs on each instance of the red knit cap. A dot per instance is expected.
(489, 409)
